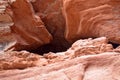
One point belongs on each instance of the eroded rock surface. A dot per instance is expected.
(89, 46)
(51, 14)
(89, 59)
(18, 60)
(23, 59)
(5, 23)
(80, 48)
(28, 29)
(76, 19)
(103, 64)
(92, 18)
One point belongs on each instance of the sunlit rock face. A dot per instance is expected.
(90, 59)
(28, 24)
(92, 18)
(51, 21)
(28, 29)
(26, 59)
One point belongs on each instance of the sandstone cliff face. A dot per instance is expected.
(76, 19)
(40, 22)
(92, 18)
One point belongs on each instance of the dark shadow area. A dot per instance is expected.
(114, 44)
(52, 47)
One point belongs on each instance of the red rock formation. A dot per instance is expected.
(79, 48)
(83, 19)
(50, 12)
(92, 18)
(104, 66)
(18, 60)
(64, 66)
(28, 29)
(89, 46)
(5, 23)
(89, 59)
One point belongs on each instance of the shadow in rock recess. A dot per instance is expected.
(114, 44)
(58, 48)
(50, 48)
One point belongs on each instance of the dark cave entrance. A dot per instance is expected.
(59, 47)
(52, 47)
(114, 44)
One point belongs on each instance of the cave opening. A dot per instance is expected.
(51, 48)
(58, 48)
(115, 45)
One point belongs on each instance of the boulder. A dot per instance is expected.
(28, 29)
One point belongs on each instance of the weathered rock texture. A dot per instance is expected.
(92, 18)
(23, 59)
(18, 60)
(28, 29)
(89, 59)
(104, 66)
(89, 46)
(51, 14)
(5, 23)
(62, 66)
(76, 19)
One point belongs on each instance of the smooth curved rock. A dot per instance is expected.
(28, 29)
(83, 19)
(93, 18)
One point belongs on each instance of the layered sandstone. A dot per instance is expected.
(74, 19)
(24, 59)
(103, 64)
(17, 60)
(92, 18)
(34, 23)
